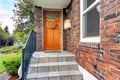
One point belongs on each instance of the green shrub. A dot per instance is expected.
(12, 63)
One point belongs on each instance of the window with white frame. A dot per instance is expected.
(90, 20)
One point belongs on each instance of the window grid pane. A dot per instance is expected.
(90, 19)
(92, 23)
(87, 9)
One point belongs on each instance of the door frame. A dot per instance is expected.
(61, 27)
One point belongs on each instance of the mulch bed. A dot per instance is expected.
(15, 77)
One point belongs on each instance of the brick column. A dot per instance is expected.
(38, 27)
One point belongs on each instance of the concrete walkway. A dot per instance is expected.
(4, 76)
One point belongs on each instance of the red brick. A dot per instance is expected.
(114, 62)
(116, 51)
(89, 51)
(116, 9)
(117, 1)
(118, 24)
(116, 71)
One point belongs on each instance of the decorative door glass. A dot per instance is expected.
(52, 15)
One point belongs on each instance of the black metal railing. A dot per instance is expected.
(27, 51)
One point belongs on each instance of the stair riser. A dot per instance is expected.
(52, 68)
(72, 77)
(52, 59)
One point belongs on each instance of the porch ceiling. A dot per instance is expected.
(54, 4)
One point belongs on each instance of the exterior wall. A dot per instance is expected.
(73, 34)
(101, 59)
(110, 39)
(38, 26)
(64, 40)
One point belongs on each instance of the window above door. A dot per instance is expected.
(90, 20)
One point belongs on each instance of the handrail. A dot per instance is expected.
(27, 51)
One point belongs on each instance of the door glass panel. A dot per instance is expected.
(52, 15)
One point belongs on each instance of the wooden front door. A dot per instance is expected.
(52, 30)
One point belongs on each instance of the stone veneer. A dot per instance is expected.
(38, 27)
(100, 59)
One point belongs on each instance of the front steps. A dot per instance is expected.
(53, 66)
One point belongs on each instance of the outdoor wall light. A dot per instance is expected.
(67, 24)
(98, 8)
(66, 10)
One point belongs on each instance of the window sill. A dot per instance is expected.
(91, 39)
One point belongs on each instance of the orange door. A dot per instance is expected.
(52, 30)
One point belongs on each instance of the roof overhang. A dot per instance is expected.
(54, 4)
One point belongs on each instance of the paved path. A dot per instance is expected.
(4, 76)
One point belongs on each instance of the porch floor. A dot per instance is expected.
(53, 66)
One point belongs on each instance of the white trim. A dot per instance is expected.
(90, 7)
(91, 39)
(53, 4)
(42, 30)
(87, 39)
(86, 74)
(62, 31)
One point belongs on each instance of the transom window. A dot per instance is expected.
(90, 20)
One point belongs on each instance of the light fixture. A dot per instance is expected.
(98, 8)
(67, 24)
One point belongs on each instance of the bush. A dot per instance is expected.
(6, 41)
(9, 41)
(2, 42)
(12, 63)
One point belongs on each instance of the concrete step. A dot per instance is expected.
(42, 54)
(52, 66)
(62, 75)
(51, 57)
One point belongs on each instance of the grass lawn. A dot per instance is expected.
(3, 57)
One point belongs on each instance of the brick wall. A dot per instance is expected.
(38, 26)
(73, 34)
(101, 59)
(64, 40)
(110, 29)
